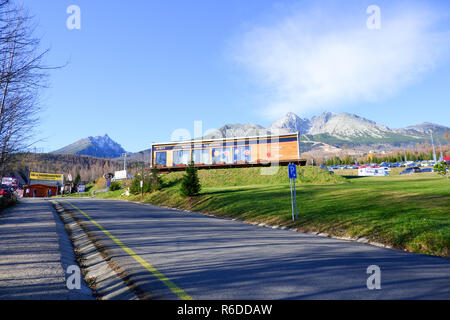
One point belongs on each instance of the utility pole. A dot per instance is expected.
(441, 158)
(142, 174)
(124, 155)
(432, 144)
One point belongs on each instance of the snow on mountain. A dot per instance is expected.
(291, 123)
(238, 130)
(422, 129)
(327, 129)
(346, 126)
(332, 127)
(98, 146)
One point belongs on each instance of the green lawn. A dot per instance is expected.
(406, 212)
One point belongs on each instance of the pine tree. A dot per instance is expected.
(77, 178)
(190, 185)
(155, 182)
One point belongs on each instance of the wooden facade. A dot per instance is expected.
(39, 191)
(228, 152)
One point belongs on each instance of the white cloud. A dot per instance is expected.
(320, 59)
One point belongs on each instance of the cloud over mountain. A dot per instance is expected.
(327, 57)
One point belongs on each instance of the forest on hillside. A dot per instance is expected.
(89, 168)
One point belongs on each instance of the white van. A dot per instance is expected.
(378, 172)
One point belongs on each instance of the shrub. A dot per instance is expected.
(152, 182)
(135, 187)
(155, 182)
(115, 186)
(5, 203)
(441, 168)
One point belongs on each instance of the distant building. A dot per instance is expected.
(43, 185)
(39, 191)
(228, 152)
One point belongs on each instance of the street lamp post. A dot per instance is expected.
(142, 174)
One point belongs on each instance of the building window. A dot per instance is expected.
(161, 158)
(201, 156)
(181, 157)
(242, 154)
(222, 155)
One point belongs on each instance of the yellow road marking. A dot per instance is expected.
(172, 286)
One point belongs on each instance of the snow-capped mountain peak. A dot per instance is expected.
(291, 123)
(98, 146)
(346, 125)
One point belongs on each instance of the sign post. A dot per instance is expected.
(292, 169)
(108, 183)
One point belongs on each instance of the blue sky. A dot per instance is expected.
(140, 70)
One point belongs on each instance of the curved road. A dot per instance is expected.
(211, 258)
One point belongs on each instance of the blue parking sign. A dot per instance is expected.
(292, 169)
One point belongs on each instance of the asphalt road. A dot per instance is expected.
(213, 258)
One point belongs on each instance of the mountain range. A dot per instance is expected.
(338, 129)
(332, 129)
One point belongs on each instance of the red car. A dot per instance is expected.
(6, 192)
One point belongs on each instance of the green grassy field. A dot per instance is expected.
(407, 212)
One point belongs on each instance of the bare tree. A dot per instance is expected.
(22, 76)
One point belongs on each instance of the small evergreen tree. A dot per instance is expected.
(155, 182)
(135, 187)
(77, 179)
(441, 168)
(190, 185)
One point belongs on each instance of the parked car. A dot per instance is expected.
(406, 171)
(411, 170)
(5, 191)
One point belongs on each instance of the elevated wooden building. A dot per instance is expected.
(228, 152)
